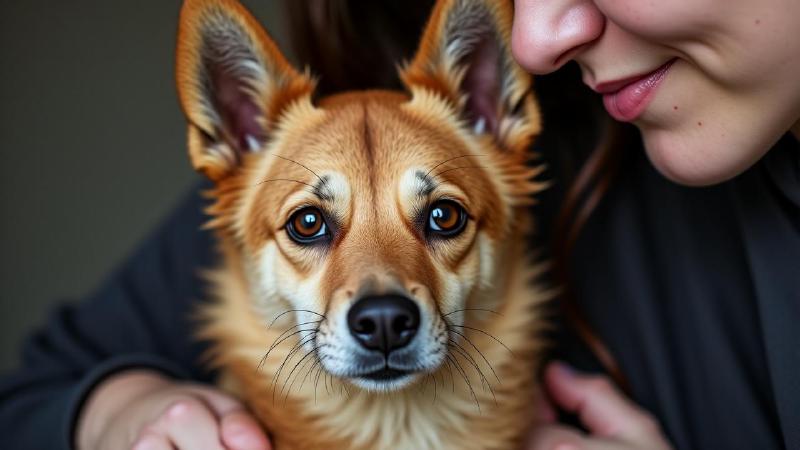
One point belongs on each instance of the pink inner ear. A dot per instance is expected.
(482, 84)
(238, 111)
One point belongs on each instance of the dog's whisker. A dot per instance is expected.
(313, 353)
(469, 341)
(308, 373)
(347, 390)
(483, 332)
(463, 374)
(472, 309)
(452, 380)
(434, 387)
(316, 380)
(289, 377)
(285, 360)
(276, 344)
(294, 310)
(327, 379)
(277, 374)
(484, 382)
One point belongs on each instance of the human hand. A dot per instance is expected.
(613, 421)
(142, 410)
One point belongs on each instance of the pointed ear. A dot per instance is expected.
(465, 57)
(233, 83)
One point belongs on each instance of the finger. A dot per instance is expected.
(560, 437)
(190, 425)
(554, 437)
(240, 431)
(544, 412)
(152, 441)
(219, 402)
(599, 405)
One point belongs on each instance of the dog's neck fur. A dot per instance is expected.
(310, 410)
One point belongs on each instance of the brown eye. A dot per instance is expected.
(307, 226)
(446, 218)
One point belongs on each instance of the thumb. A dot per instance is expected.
(601, 408)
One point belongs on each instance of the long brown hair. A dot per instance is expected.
(355, 44)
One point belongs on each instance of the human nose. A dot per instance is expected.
(548, 33)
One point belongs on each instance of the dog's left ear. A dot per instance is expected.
(465, 56)
(233, 84)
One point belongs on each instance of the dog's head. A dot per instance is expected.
(376, 220)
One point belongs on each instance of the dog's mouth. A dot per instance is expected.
(385, 374)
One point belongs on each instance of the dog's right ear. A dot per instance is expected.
(465, 57)
(233, 83)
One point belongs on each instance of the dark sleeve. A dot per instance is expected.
(140, 317)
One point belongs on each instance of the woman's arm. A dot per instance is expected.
(139, 318)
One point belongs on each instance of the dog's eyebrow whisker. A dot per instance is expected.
(456, 168)
(284, 179)
(469, 341)
(301, 165)
(447, 161)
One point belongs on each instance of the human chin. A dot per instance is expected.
(698, 132)
(692, 156)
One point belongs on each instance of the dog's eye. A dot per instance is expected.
(446, 218)
(307, 226)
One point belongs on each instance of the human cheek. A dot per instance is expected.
(663, 22)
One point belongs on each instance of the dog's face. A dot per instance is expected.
(375, 220)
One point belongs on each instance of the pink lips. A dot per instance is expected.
(627, 99)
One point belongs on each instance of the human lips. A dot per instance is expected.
(626, 99)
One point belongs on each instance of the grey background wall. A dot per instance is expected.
(92, 150)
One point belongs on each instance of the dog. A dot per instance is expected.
(375, 289)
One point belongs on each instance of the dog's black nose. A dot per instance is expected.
(384, 323)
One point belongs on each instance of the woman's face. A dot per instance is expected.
(712, 84)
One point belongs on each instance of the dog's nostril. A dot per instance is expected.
(402, 323)
(365, 326)
(383, 323)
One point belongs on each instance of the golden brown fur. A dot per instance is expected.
(368, 146)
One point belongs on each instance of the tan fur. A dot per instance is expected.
(366, 144)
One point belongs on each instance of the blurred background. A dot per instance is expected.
(92, 144)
